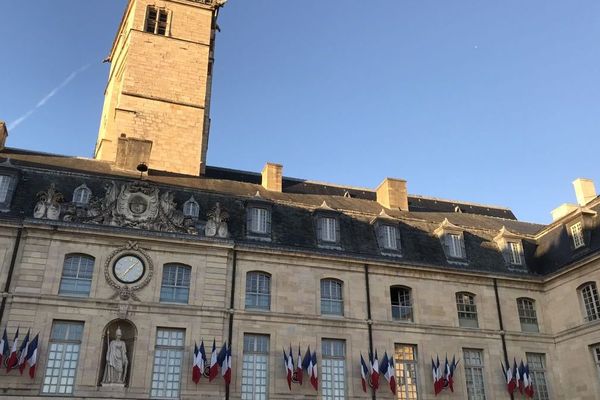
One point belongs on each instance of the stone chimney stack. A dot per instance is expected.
(272, 177)
(584, 190)
(391, 193)
(3, 134)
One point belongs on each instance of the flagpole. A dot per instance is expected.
(231, 306)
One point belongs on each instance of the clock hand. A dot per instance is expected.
(128, 269)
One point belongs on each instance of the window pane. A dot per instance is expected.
(4, 185)
(401, 304)
(175, 285)
(527, 315)
(467, 310)
(77, 276)
(474, 374)
(537, 371)
(258, 290)
(333, 383)
(63, 354)
(168, 355)
(331, 297)
(591, 301)
(405, 364)
(254, 367)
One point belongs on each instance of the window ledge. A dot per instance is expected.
(330, 246)
(259, 236)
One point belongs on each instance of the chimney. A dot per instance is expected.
(584, 190)
(562, 210)
(391, 193)
(272, 177)
(3, 134)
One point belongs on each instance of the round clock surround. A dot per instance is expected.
(128, 269)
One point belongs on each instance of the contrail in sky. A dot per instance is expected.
(47, 97)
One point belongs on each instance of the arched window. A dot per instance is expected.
(591, 301)
(258, 290)
(191, 208)
(332, 302)
(527, 314)
(175, 287)
(401, 303)
(81, 195)
(467, 310)
(76, 277)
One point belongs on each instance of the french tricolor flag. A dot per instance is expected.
(375, 372)
(364, 373)
(288, 361)
(299, 374)
(226, 367)
(391, 375)
(23, 353)
(196, 370)
(314, 376)
(3, 347)
(214, 365)
(13, 359)
(32, 353)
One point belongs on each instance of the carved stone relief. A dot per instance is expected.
(122, 290)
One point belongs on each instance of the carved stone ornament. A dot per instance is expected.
(122, 290)
(48, 205)
(138, 205)
(216, 226)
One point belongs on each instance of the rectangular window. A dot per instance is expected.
(77, 274)
(328, 229)
(168, 354)
(527, 315)
(537, 373)
(389, 237)
(332, 302)
(258, 290)
(401, 303)
(333, 382)
(514, 250)
(591, 301)
(255, 367)
(454, 243)
(156, 21)
(63, 355)
(4, 185)
(467, 310)
(577, 235)
(596, 355)
(175, 286)
(258, 220)
(405, 360)
(474, 374)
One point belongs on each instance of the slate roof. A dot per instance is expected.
(293, 214)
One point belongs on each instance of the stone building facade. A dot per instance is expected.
(180, 254)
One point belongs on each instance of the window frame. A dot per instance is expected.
(383, 228)
(176, 288)
(169, 349)
(331, 362)
(156, 22)
(81, 191)
(12, 177)
(255, 356)
(515, 251)
(535, 372)
(77, 279)
(191, 208)
(332, 302)
(251, 225)
(595, 350)
(469, 370)
(403, 309)
(527, 312)
(404, 364)
(467, 309)
(65, 342)
(577, 236)
(256, 293)
(591, 308)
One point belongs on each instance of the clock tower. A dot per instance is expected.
(157, 100)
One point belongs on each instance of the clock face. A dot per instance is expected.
(128, 269)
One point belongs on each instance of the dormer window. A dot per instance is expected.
(81, 195)
(453, 241)
(328, 229)
(191, 208)
(511, 247)
(454, 244)
(514, 253)
(389, 237)
(156, 21)
(577, 235)
(5, 181)
(259, 220)
(388, 234)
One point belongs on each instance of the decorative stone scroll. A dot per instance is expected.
(137, 205)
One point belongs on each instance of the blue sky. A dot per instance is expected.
(490, 102)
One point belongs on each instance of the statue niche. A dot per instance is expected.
(117, 350)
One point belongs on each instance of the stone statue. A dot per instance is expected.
(216, 226)
(48, 205)
(115, 370)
